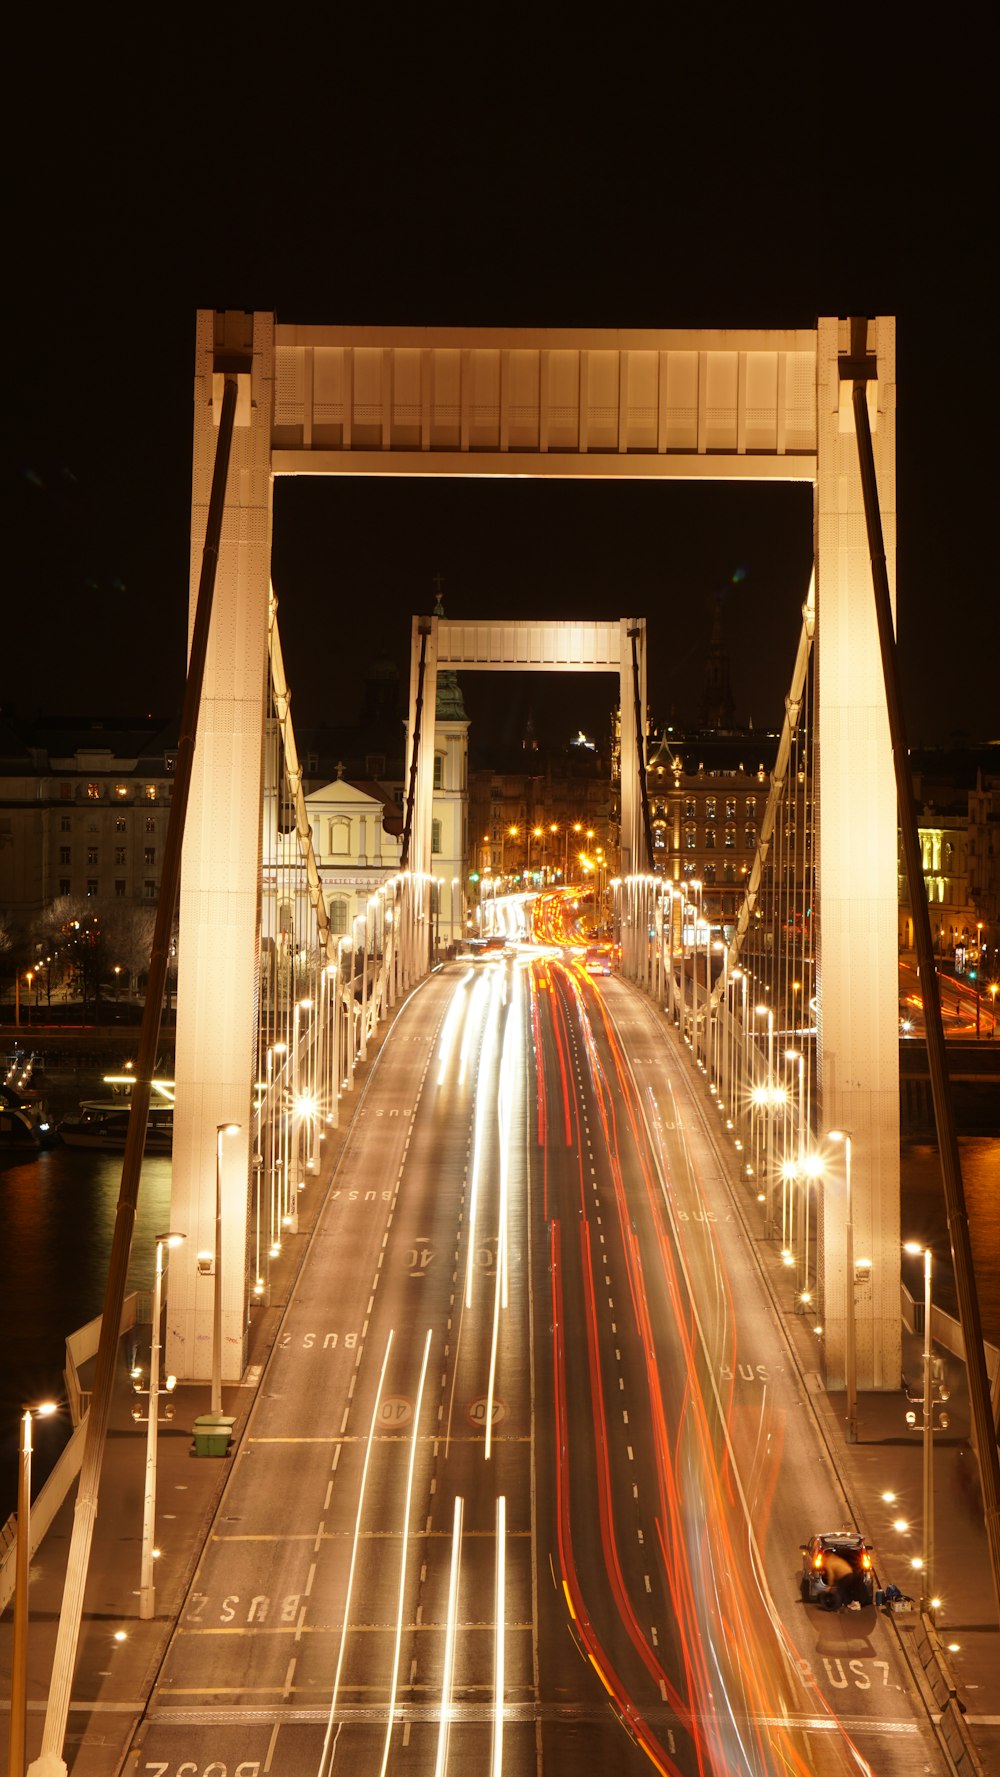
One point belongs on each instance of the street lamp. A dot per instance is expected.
(221, 1129)
(850, 1340)
(930, 1400)
(146, 1587)
(768, 1013)
(22, 1559)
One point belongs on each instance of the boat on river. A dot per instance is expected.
(103, 1123)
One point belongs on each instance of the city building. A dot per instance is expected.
(84, 804)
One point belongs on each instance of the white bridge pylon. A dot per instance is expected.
(449, 645)
(762, 404)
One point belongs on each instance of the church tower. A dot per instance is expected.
(717, 702)
(450, 821)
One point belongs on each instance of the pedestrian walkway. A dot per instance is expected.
(119, 1655)
(959, 1655)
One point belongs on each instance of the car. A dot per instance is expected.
(837, 1570)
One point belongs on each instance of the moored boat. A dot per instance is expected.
(103, 1123)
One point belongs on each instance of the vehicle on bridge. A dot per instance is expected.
(598, 959)
(837, 1570)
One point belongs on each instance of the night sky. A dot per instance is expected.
(505, 169)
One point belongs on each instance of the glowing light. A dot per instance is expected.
(354, 1549)
(448, 1676)
(499, 1613)
(391, 1709)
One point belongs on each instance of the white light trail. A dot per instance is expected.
(479, 993)
(509, 1065)
(330, 1747)
(482, 1123)
(391, 1710)
(455, 1013)
(448, 1678)
(498, 1648)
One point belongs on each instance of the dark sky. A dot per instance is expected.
(498, 170)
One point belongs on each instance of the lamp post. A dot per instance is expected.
(927, 1572)
(850, 1339)
(22, 1561)
(768, 1013)
(146, 1586)
(221, 1129)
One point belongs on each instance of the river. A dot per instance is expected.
(58, 1220)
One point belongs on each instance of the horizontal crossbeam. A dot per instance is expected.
(356, 400)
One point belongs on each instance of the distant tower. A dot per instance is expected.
(449, 833)
(717, 702)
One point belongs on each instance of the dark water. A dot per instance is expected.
(58, 1213)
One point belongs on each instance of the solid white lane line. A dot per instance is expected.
(330, 1739)
(391, 1709)
(448, 1676)
(498, 1652)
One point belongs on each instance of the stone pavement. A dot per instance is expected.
(119, 1655)
(955, 1659)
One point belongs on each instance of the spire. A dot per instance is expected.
(717, 701)
(450, 706)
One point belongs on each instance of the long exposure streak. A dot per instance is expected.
(448, 1676)
(330, 1747)
(391, 1708)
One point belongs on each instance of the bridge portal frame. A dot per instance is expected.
(761, 404)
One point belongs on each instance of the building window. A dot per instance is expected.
(92, 854)
(92, 885)
(119, 886)
(730, 808)
(340, 838)
(150, 823)
(64, 885)
(751, 808)
(150, 792)
(149, 854)
(710, 809)
(149, 891)
(121, 824)
(689, 838)
(435, 836)
(64, 857)
(750, 839)
(121, 791)
(729, 873)
(119, 854)
(438, 771)
(709, 838)
(170, 761)
(64, 823)
(709, 874)
(496, 792)
(730, 838)
(690, 810)
(338, 916)
(65, 792)
(93, 792)
(374, 764)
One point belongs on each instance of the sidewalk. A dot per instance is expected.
(964, 1656)
(113, 1678)
(119, 1655)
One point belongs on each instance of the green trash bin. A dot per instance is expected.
(213, 1433)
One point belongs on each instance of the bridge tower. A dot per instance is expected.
(652, 404)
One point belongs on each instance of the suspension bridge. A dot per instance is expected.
(792, 1022)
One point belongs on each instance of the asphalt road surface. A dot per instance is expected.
(525, 1482)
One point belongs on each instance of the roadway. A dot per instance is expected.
(531, 1435)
